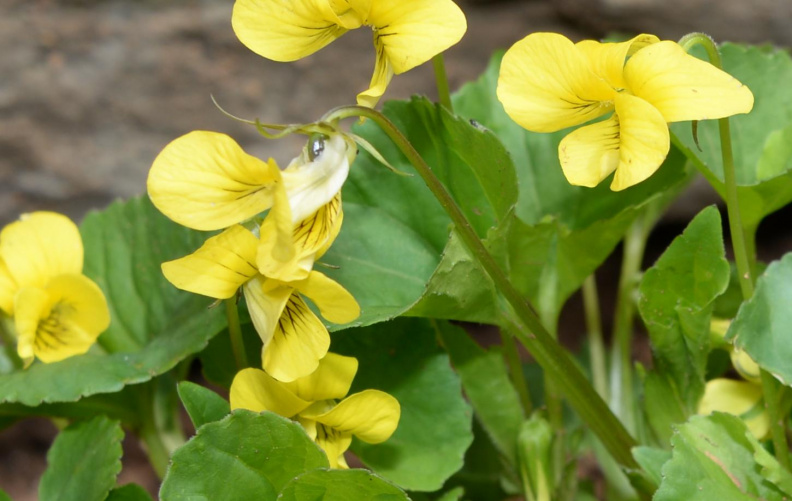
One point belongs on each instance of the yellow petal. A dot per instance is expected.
(607, 59)
(633, 142)
(222, 264)
(645, 141)
(205, 181)
(310, 184)
(255, 390)
(266, 300)
(61, 320)
(383, 73)
(300, 340)
(332, 442)
(39, 247)
(414, 31)
(740, 398)
(683, 87)
(287, 30)
(335, 303)
(546, 84)
(8, 289)
(746, 366)
(307, 241)
(370, 415)
(331, 380)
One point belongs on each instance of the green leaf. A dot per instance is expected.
(761, 148)
(771, 468)
(713, 460)
(402, 358)
(761, 327)
(534, 444)
(676, 302)
(455, 494)
(4, 496)
(485, 379)
(244, 456)
(651, 460)
(83, 462)
(154, 325)
(340, 485)
(374, 249)
(664, 404)
(129, 492)
(202, 404)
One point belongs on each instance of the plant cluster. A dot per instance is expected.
(320, 296)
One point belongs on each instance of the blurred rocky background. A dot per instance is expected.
(91, 90)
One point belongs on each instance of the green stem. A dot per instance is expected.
(443, 92)
(514, 364)
(621, 395)
(8, 339)
(591, 307)
(235, 333)
(527, 328)
(743, 255)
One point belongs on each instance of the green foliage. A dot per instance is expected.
(340, 485)
(129, 492)
(402, 358)
(202, 404)
(713, 460)
(761, 327)
(4, 496)
(485, 379)
(244, 456)
(83, 462)
(154, 325)
(676, 303)
(652, 461)
(761, 153)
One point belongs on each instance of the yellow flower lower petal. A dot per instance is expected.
(740, 398)
(312, 184)
(255, 390)
(205, 181)
(633, 142)
(370, 415)
(8, 289)
(607, 59)
(287, 30)
(334, 443)
(300, 340)
(645, 141)
(40, 246)
(266, 300)
(331, 380)
(546, 84)
(60, 320)
(335, 303)
(414, 31)
(307, 241)
(683, 87)
(220, 267)
(383, 74)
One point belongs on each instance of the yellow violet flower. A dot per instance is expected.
(370, 415)
(547, 83)
(740, 398)
(407, 33)
(57, 311)
(294, 338)
(205, 181)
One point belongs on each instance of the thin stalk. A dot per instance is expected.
(235, 333)
(443, 92)
(527, 328)
(154, 444)
(743, 255)
(9, 341)
(622, 398)
(516, 374)
(591, 307)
